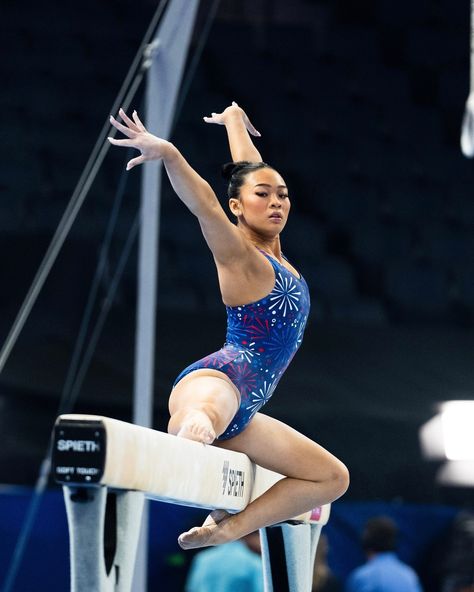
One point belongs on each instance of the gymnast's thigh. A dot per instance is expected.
(276, 446)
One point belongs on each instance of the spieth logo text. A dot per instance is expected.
(78, 446)
(233, 481)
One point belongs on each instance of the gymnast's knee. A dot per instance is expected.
(182, 414)
(339, 479)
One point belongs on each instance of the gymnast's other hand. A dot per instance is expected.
(150, 146)
(232, 111)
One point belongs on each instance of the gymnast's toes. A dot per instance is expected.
(206, 435)
(215, 517)
(199, 536)
(197, 432)
(197, 426)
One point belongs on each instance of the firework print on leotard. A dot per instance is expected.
(262, 338)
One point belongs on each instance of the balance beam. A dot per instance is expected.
(96, 450)
(96, 453)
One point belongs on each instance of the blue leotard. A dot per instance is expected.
(262, 338)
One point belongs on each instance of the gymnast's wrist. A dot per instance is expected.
(232, 113)
(169, 152)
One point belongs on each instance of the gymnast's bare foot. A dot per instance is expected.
(206, 535)
(197, 426)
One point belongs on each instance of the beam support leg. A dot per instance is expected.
(288, 552)
(104, 528)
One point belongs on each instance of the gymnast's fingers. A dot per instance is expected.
(124, 143)
(122, 128)
(128, 121)
(251, 128)
(137, 160)
(214, 118)
(137, 121)
(248, 124)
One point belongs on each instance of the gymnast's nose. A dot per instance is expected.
(275, 201)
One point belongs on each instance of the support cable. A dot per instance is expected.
(132, 82)
(64, 403)
(123, 99)
(195, 60)
(42, 480)
(78, 370)
(467, 129)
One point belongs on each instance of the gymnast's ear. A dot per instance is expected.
(235, 206)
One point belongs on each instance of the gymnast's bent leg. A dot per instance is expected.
(202, 405)
(314, 477)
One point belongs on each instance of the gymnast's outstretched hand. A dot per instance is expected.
(150, 146)
(229, 112)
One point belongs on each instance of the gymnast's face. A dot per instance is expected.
(263, 203)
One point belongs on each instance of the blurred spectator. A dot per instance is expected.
(383, 571)
(460, 587)
(323, 578)
(233, 567)
(459, 559)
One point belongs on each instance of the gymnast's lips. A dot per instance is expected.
(276, 216)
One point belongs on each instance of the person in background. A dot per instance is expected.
(383, 571)
(233, 567)
(458, 561)
(323, 578)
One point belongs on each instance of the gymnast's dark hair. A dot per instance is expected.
(235, 173)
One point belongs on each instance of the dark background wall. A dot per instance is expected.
(360, 108)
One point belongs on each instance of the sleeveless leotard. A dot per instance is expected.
(262, 338)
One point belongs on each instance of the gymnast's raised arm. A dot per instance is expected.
(239, 128)
(223, 238)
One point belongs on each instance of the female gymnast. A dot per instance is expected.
(217, 399)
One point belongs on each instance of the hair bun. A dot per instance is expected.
(229, 168)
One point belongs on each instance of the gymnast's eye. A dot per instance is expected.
(261, 193)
